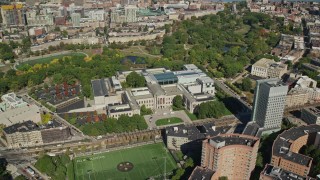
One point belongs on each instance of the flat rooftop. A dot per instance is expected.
(264, 62)
(29, 125)
(234, 140)
(200, 173)
(17, 115)
(313, 110)
(278, 173)
(196, 132)
(171, 90)
(282, 144)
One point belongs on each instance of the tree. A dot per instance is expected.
(189, 162)
(135, 80)
(145, 111)
(4, 174)
(86, 90)
(64, 33)
(6, 52)
(11, 73)
(25, 44)
(246, 84)
(177, 102)
(179, 172)
(212, 109)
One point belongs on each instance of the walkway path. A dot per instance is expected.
(166, 113)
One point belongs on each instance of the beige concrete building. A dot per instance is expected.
(296, 98)
(230, 155)
(268, 68)
(308, 85)
(29, 133)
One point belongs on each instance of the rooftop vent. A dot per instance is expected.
(184, 131)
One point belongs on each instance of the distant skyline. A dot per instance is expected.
(269, 0)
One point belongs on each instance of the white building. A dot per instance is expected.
(268, 68)
(34, 19)
(308, 85)
(269, 103)
(98, 15)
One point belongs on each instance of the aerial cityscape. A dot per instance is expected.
(159, 89)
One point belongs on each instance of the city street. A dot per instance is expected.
(166, 113)
(226, 89)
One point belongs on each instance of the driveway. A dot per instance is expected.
(166, 113)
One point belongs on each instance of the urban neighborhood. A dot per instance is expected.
(160, 89)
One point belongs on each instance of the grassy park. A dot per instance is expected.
(167, 121)
(147, 160)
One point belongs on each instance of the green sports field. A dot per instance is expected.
(147, 160)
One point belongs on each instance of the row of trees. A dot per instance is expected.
(314, 152)
(123, 124)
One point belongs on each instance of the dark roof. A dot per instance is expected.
(195, 132)
(251, 129)
(280, 174)
(234, 140)
(200, 173)
(297, 132)
(99, 87)
(28, 126)
(281, 146)
(167, 76)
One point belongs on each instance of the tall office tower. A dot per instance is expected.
(269, 102)
(131, 13)
(230, 155)
(13, 15)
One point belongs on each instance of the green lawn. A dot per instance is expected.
(192, 116)
(148, 161)
(70, 171)
(50, 58)
(167, 121)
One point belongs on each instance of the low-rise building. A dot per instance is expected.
(275, 173)
(185, 138)
(29, 133)
(286, 147)
(309, 86)
(13, 101)
(311, 115)
(268, 68)
(296, 98)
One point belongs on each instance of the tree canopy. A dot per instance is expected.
(177, 102)
(212, 109)
(135, 80)
(55, 167)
